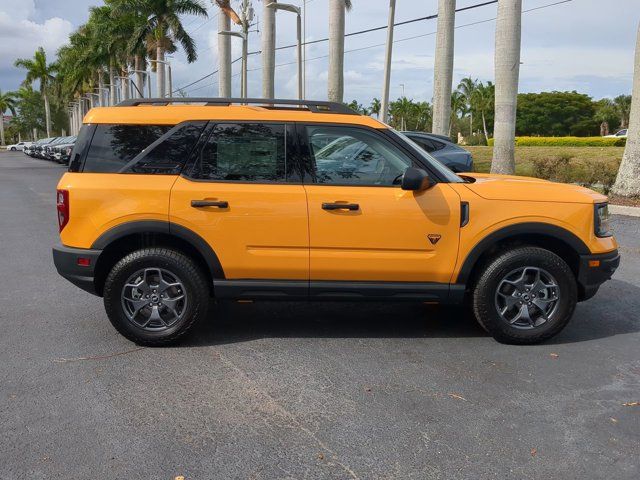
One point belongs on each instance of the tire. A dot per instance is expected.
(495, 289)
(188, 295)
(13, 149)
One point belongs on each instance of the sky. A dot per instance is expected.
(582, 45)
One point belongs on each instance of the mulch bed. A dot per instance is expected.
(626, 201)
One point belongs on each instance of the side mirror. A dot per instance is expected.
(415, 179)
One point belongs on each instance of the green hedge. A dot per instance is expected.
(568, 142)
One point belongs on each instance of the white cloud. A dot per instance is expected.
(20, 36)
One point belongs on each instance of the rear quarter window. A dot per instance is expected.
(114, 146)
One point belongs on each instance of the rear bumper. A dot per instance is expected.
(594, 270)
(66, 261)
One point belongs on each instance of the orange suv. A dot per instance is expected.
(169, 202)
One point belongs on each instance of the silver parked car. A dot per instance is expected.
(444, 150)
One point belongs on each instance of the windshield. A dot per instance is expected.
(428, 159)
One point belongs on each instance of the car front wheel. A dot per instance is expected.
(155, 295)
(524, 296)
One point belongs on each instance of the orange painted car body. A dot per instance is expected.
(278, 231)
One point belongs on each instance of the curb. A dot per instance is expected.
(624, 210)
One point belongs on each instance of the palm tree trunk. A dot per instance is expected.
(100, 88)
(484, 127)
(124, 84)
(47, 113)
(224, 57)
(160, 70)
(443, 68)
(112, 84)
(140, 80)
(507, 72)
(628, 179)
(268, 50)
(336, 50)
(2, 129)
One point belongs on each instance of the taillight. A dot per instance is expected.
(62, 205)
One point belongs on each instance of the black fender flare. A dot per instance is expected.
(519, 229)
(172, 229)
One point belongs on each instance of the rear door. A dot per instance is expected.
(243, 195)
(363, 226)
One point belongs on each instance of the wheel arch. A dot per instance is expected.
(550, 237)
(127, 237)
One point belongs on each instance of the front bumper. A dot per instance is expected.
(594, 270)
(66, 261)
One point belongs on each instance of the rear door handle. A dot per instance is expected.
(209, 203)
(340, 206)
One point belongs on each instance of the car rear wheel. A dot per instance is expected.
(155, 295)
(524, 296)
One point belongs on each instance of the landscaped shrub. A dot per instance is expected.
(598, 174)
(568, 141)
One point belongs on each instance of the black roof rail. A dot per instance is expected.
(313, 105)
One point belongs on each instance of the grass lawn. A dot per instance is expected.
(525, 155)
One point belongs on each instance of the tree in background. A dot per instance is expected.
(628, 179)
(7, 102)
(443, 66)
(622, 104)
(30, 112)
(556, 114)
(358, 107)
(606, 115)
(39, 70)
(335, 85)
(467, 87)
(458, 108)
(375, 107)
(484, 101)
(163, 21)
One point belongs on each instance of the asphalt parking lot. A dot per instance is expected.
(280, 390)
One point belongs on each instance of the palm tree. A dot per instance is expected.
(622, 104)
(628, 179)
(337, 10)
(39, 70)
(162, 19)
(422, 113)
(605, 113)
(484, 100)
(467, 87)
(458, 106)
(507, 68)
(375, 107)
(7, 102)
(443, 66)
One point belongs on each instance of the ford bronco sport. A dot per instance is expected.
(169, 202)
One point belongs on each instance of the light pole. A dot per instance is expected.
(384, 105)
(101, 95)
(243, 78)
(294, 9)
(168, 65)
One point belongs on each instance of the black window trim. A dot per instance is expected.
(291, 151)
(77, 167)
(305, 153)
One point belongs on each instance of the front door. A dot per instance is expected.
(362, 225)
(242, 196)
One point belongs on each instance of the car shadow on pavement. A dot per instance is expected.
(238, 322)
(612, 312)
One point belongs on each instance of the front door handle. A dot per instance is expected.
(209, 203)
(340, 206)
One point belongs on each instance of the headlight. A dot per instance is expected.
(601, 224)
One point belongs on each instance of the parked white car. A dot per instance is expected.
(620, 133)
(18, 146)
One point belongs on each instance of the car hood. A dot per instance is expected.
(511, 187)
